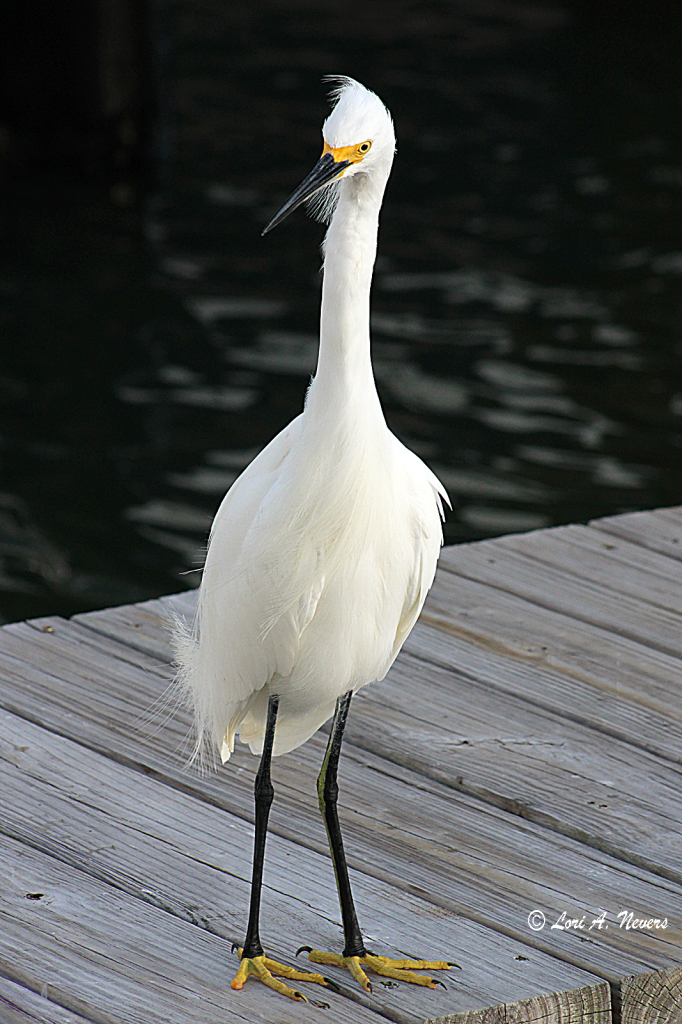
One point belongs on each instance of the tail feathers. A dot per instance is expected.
(215, 724)
(243, 718)
(185, 643)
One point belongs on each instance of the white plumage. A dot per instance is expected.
(323, 550)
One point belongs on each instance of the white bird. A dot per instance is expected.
(323, 550)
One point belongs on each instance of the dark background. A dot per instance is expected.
(527, 301)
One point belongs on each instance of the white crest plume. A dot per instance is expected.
(358, 114)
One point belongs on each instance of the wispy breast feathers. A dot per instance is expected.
(322, 205)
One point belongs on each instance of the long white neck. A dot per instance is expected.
(344, 369)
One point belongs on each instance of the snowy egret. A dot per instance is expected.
(323, 550)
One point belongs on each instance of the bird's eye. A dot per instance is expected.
(365, 147)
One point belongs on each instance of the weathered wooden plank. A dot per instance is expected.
(497, 565)
(652, 998)
(137, 625)
(583, 695)
(400, 828)
(588, 1005)
(628, 673)
(116, 960)
(522, 759)
(673, 514)
(613, 564)
(41, 675)
(194, 860)
(659, 531)
(19, 1005)
(620, 550)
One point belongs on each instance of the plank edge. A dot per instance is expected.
(590, 1004)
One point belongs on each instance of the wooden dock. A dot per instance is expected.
(521, 761)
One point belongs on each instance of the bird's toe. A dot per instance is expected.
(270, 971)
(399, 970)
(404, 970)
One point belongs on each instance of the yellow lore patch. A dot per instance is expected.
(353, 154)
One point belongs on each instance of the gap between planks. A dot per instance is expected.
(20, 1005)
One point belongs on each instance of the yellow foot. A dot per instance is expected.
(264, 969)
(401, 970)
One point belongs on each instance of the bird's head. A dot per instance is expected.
(358, 138)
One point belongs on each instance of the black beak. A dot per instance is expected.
(325, 170)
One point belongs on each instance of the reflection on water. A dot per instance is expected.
(526, 324)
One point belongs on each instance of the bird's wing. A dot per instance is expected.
(427, 495)
(240, 506)
(257, 597)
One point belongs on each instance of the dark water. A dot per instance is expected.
(527, 300)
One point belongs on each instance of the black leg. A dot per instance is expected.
(264, 794)
(328, 791)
